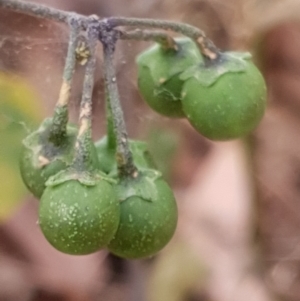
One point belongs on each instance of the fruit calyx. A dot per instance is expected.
(44, 149)
(141, 185)
(208, 71)
(185, 48)
(84, 177)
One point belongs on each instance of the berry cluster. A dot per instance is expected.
(223, 98)
(108, 194)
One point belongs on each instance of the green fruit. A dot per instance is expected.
(225, 99)
(158, 75)
(107, 160)
(42, 158)
(148, 217)
(79, 217)
(106, 155)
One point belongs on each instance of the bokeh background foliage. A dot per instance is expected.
(20, 112)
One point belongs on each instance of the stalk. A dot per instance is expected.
(82, 157)
(124, 159)
(58, 130)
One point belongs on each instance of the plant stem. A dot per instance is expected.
(83, 158)
(60, 117)
(111, 138)
(207, 47)
(88, 82)
(182, 28)
(124, 159)
(36, 10)
(74, 23)
(160, 37)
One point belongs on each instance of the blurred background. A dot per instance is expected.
(238, 236)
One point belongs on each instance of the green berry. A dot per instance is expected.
(158, 75)
(79, 217)
(148, 217)
(225, 99)
(41, 157)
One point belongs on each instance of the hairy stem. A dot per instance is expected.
(111, 138)
(83, 159)
(71, 55)
(160, 37)
(207, 47)
(123, 154)
(36, 10)
(60, 117)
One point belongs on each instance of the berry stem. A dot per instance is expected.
(111, 137)
(58, 129)
(82, 157)
(207, 47)
(166, 41)
(123, 155)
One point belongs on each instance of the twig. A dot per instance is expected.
(36, 10)
(206, 46)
